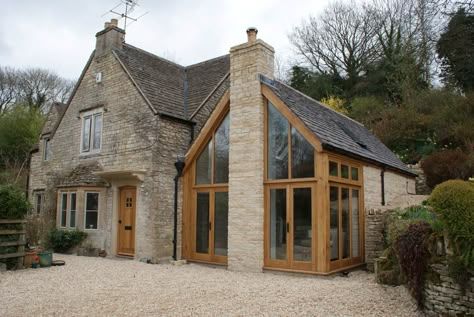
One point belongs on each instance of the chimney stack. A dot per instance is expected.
(246, 152)
(252, 34)
(109, 38)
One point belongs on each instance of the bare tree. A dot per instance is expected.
(8, 83)
(340, 41)
(34, 88)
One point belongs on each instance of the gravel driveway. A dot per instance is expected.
(113, 287)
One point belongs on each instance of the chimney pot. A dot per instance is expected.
(252, 34)
(114, 22)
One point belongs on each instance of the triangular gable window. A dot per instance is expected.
(281, 134)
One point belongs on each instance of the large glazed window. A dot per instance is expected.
(212, 165)
(210, 205)
(286, 144)
(277, 153)
(344, 222)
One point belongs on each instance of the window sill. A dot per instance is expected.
(88, 155)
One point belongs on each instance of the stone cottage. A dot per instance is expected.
(216, 162)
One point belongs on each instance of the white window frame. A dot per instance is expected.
(92, 114)
(85, 209)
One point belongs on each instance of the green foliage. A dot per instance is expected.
(63, 240)
(13, 204)
(456, 48)
(317, 86)
(453, 202)
(451, 164)
(413, 256)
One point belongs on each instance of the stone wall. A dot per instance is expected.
(374, 241)
(246, 164)
(444, 297)
(421, 187)
(132, 140)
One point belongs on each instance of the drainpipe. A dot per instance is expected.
(179, 164)
(382, 181)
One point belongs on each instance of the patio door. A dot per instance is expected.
(289, 226)
(210, 223)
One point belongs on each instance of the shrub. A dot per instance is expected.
(453, 201)
(413, 255)
(13, 204)
(446, 165)
(63, 240)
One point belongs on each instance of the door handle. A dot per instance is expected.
(120, 221)
(287, 227)
(210, 226)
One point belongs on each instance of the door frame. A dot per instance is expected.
(210, 257)
(126, 187)
(289, 263)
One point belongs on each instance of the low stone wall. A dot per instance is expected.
(374, 244)
(444, 297)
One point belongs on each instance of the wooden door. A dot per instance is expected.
(126, 222)
(290, 226)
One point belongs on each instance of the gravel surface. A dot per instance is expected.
(114, 287)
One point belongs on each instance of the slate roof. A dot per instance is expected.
(54, 114)
(172, 89)
(337, 132)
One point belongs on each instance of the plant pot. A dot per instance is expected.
(45, 258)
(29, 258)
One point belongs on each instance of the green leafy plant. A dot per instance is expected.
(13, 203)
(453, 202)
(413, 256)
(63, 240)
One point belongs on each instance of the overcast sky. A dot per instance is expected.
(59, 35)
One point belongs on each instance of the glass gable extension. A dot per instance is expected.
(210, 198)
(311, 223)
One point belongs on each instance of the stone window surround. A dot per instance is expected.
(80, 207)
(38, 194)
(85, 209)
(91, 112)
(46, 149)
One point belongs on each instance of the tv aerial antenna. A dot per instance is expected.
(129, 8)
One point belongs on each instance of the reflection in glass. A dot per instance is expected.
(202, 223)
(72, 216)
(277, 139)
(63, 209)
(302, 231)
(346, 221)
(278, 224)
(355, 222)
(221, 153)
(86, 133)
(344, 171)
(355, 173)
(203, 165)
(334, 222)
(302, 156)
(333, 169)
(97, 131)
(221, 209)
(92, 210)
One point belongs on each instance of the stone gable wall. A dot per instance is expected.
(132, 139)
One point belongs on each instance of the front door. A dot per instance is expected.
(289, 232)
(126, 222)
(210, 220)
